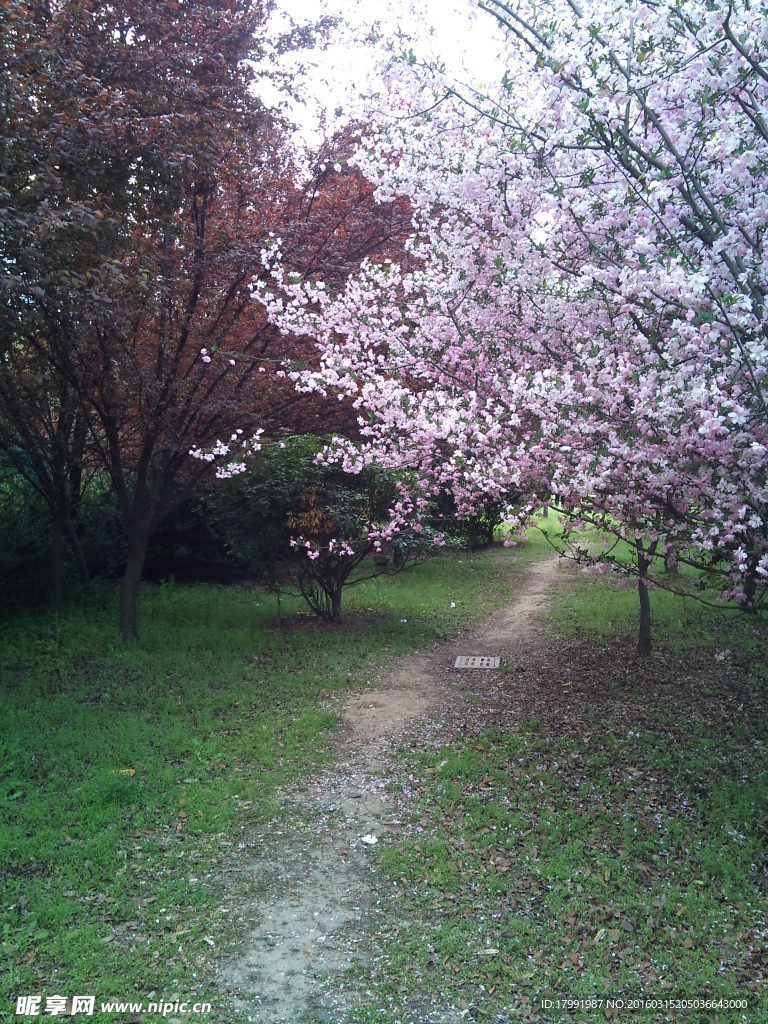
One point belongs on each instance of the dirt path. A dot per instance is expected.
(314, 897)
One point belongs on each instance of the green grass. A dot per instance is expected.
(547, 868)
(603, 610)
(126, 767)
(612, 846)
(687, 610)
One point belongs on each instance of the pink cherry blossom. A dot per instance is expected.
(581, 310)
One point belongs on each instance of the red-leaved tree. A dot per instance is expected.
(142, 181)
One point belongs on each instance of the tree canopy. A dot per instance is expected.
(140, 180)
(584, 311)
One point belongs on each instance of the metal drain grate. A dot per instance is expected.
(476, 661)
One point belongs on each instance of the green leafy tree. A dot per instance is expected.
(305, 523)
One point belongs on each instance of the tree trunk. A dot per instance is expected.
(336, 605)
(57, 570)
(644, 633)
(671, 567)
(77, 551)
(129, 588)
(747, 603)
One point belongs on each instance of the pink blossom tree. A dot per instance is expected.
(582, 308)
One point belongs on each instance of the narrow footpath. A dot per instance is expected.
(312, 891)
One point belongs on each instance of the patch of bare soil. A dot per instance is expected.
(310, 892)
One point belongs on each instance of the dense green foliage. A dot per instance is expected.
(241, 528)
(27, 554)
(297, 521)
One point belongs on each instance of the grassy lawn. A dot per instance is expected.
(599, 832)
(125, 767)
(601, 835)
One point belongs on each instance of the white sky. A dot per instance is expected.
(469, 46)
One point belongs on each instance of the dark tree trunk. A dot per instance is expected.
(671, 566)
(644, 559)
(747, 603)
(77, 551)
(336, 605)
(57, 569)
(129, 588)
(644, 635)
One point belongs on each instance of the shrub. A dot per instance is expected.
(296, 521)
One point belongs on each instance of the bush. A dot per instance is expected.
(27, 568)
(311, 525)
(25, 553)
(475, 531)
